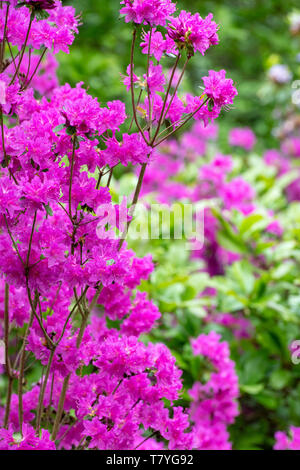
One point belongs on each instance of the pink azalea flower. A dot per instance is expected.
(242, 137)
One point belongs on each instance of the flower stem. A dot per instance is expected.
(42, 391)
(165, 100)
(71, 176)
(35, 70)
(7, 359)
(183, 124)
(177, 86)
(134, 202)
(2, 53)
(3, 137)
(23, 49)
(148, 88)
(22, 366)
(132, 89)
(60, 407)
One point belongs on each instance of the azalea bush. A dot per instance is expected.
(112, 342)
(242, 283)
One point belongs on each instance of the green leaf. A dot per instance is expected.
(48, 209)
(268, 400)
(249, 222)
(252, 389)
(71, 130)
(280, 379)
(41, 14)
(59, 128)
(230, 242)
(227, 237)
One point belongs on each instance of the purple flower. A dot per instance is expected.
(219, 88)
(157, 47)
(193, 32)
(242, 137)
(153, 12)
(284, 442)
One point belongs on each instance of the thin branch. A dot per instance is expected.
(177, 85)
(71, 175)
(148, 88)
(145, 440)
(43, 390)
(99, 179)
(166, 99)
(30, 240)
(21, 368)
(2, 136)
(137, 105)
(71, 313)
(12, 56)
(6, 329)
(29, 64)
(183, 124)
(50, 401)
(23, 49)
(132, 88)
(109, 178)
(13, 241)
(50, 343)
(60, 204)
(35, 70)
(134, 202)
(4, 38)
(7, 359)
(60, 407)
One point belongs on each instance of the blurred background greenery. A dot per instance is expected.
(253, 36)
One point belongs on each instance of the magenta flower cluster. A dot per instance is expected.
(214, 403)
(153, 12)
(69, 282)
(285, 442)
(193, 32)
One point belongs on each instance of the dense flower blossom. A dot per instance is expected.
(238, 194)
(29, 441)
(201, 109)
(193, 32)
(133, 149)
(45, 81)
(56, 32)
(141, 318)
(284, 442)
(157, 45)
(154, 12)
(214, 404)
(155, 78)
(219, 88)
(68, 286)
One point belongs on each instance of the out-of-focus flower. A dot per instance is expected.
(279, 73)
(242, 137)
